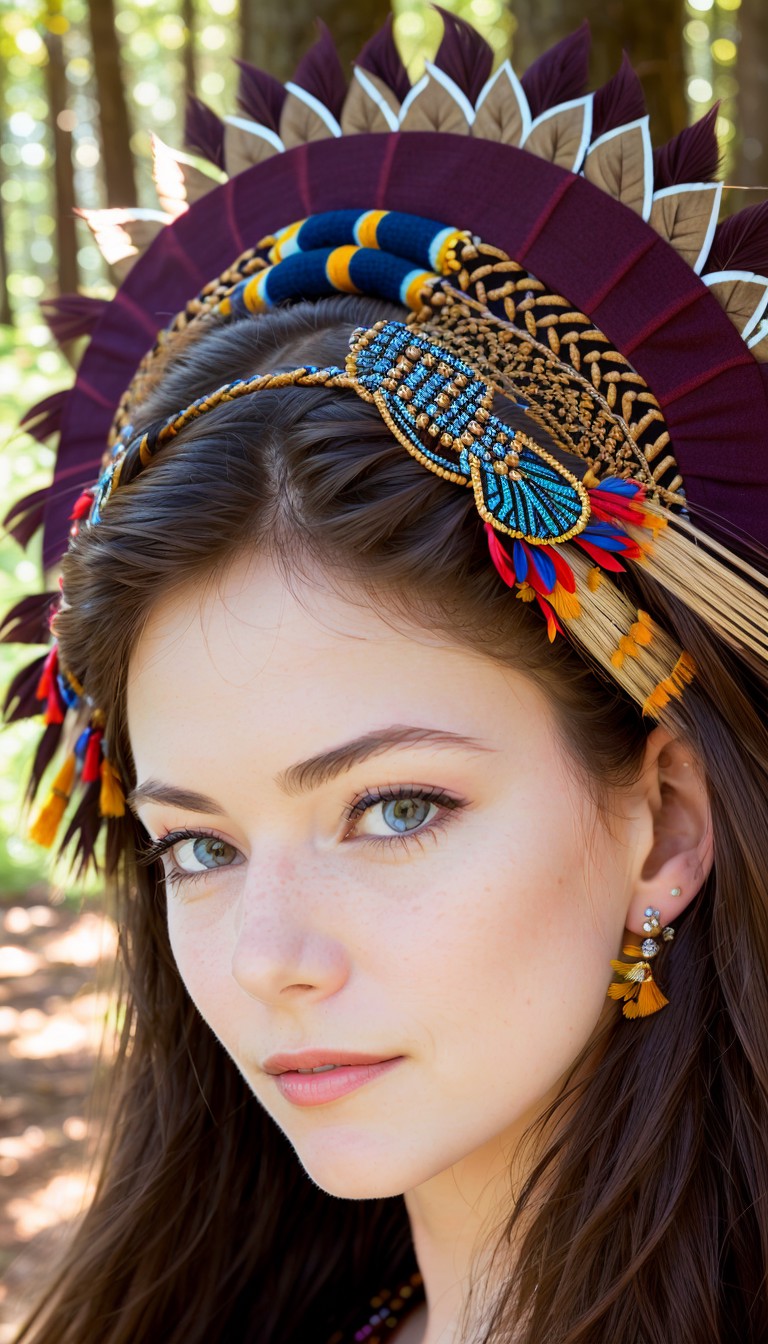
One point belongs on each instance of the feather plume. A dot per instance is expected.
(502, 111)
(84, 828)
(319, 72)
(691, 156)
(25, 516)
(21, 700)
(122, 236)
(741, 242)
(463, 54)
(436, 103)
(369, 106)
(619, 101)
(44, 419)
(46, 750)
(178, 181)
(259, 95)
(560, 73)
(72, 315)
(28, 622)
(381, 58)
(204, 131)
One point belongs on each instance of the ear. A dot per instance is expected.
(681, 853)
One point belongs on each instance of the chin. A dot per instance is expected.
(353, 1165)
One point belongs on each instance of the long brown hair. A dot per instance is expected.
(204, 1226)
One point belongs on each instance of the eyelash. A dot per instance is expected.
(176, 877)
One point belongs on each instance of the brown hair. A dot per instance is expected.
(204, 1226)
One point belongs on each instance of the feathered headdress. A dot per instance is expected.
(546, 252)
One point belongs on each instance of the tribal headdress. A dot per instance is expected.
(547, 254)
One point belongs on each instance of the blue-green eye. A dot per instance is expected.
(206, 850)
(388, 814)
(406, 814)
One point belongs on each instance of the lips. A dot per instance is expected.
(312, 1059)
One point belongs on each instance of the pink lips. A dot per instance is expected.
(313, 1089)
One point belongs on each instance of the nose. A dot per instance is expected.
(281, 949)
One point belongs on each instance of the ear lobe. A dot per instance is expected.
(682, 853)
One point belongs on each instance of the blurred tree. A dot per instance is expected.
(63, 176)
(190, 64)
(274, 34)
(117, 155)
(650, 32)
(6, 311)
(752, 74)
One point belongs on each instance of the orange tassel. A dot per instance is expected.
(640, 992)
(111, 797)
(46, 824)
(566, 604)
(594, 579)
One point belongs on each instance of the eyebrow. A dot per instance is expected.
(305, 776)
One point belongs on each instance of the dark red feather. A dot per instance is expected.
(691, 156)
(741, 241)
(204, 131)
(25, 516)
(44, 419)
(560, 73)
(380, 57)
(84, 826)
(320, 72)
(46, 750)
(260, 96)
(28, 621)
(463, 54)
(21, 700)
(72, 315)
(619, 101)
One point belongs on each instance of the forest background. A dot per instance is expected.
(83, 85)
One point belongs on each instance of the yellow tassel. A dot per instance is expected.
(626, 991)
(649, 1000)
(642, 630)
(684, 670)
(111, 797)
(566, 604)
(46, 824)
(617, 658)
(656, 700)
(594, 579)
(526, 593)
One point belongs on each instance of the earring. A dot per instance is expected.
(639, 990)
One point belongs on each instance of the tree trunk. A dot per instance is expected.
(64, 179)
(751, 166)
(6, 310)
(190, 63)
(117, 158)
(651, 33)
(274, 34)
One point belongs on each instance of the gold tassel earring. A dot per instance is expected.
(638, 989)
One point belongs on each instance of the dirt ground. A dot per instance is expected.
(52, 1011)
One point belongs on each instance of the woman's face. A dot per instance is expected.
(395, 859)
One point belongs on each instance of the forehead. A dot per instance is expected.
(250, 663)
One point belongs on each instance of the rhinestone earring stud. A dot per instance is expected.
(638, 989)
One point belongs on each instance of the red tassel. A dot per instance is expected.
(92, 759)
(48, 675)
(55, 708)
(83, 505)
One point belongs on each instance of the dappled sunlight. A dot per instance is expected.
(89, 941)
(63, 1197)
(79, 1027)
(16, 961)
(52, 1017)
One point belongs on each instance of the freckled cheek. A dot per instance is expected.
(203, 956)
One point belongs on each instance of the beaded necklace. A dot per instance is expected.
(388, 1312)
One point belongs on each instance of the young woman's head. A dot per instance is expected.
(417, 830)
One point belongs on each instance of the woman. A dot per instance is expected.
(494, 860)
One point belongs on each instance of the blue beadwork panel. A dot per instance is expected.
(440, 410)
